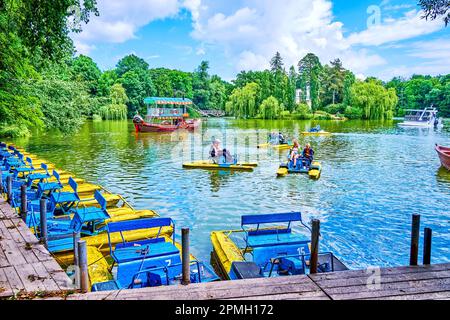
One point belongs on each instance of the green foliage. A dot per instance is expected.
(117, 109)
(302, 112)
(242, 102)
(200, 85)
(436, 8)
(309, 74)
(130, 63)
(106, 80)
(138, 85)
(353, 113)
(270, 108)
(335, 108)
(375, 102)
(84, 69)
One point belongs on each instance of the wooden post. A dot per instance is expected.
(83, 266)
(43, 221)
(314, 246)
(1, 182)
(23, 202)
(427, 246)
(9, 189)
(415, 232)
(185, 257)
(76, 238)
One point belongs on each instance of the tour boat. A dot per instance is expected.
(426, 118)
(169, 117)
(267, 246)
(444, 156)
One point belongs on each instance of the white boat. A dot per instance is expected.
(426, 118)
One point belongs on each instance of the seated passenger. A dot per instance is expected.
(308, 154)
(281, 138)
(215, 152)
(294, 155)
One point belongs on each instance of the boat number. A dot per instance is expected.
(301, 251)
(169, 262)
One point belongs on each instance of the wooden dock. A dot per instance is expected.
(404, 283)
(26, 267)
(27, 270)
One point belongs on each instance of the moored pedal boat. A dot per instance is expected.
(151, 262)
(271, 251)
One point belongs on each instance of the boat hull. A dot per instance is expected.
(320, 133)
(153, 127)
(444, 156)
(275, 146)
(207, 165)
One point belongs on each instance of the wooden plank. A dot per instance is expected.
(58, 275)
(15, 283)
(389, 289)
(29, 278)
(4, 231)
(312, 295)
(45, 277)
(12, 253)
(5, 288)
(387, 278)
(363, 273)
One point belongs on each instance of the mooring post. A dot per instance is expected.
(43, 221)
(23, 202)
(76, 238)
(314, 246)
(83, 265)
(185, 257)
(427, 246)
(415, 233)
(1, 182)
(9, 189)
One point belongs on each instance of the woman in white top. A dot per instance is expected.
(216, 152)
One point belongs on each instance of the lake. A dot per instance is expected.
(375, 176)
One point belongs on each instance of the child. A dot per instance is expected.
(295, 152)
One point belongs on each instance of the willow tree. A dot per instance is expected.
(117, 109)
(270, 108)
(242, 102)
(375, 101)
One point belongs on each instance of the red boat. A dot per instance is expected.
(444, 156)
(165, 115)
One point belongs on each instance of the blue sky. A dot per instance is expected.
(383, 38)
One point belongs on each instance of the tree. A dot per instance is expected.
(373, 101)
(218, 94)
(242, 102)
(130, 63)
(44, 25)
(106, 80)
(138, 86)
(200, 85)
(117, 109)
(332, 88)
(276, 63)
(436, 8)
(309, 69)
(85, 70)
(349, 80)
(270, 108)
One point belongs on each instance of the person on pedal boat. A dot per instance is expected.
(295, 153)
(281, 138)
(216, 152)
(308, 154)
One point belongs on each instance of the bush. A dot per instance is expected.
(114, 112)
(14, 131)
(353, 113)
(335, 108)
(302, 112)
(321, 115)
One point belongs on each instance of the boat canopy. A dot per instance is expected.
(167, 101)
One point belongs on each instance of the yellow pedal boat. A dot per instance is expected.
(208, 165)
(275, 146)
(318, 133)
(313, 171)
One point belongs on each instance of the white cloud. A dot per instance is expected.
(251, 33)
(119, 20)
(408, 26)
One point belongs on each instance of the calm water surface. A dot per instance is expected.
(375, 175)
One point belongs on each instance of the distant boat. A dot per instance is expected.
(444, 156)
(426, 118)
(165, 115)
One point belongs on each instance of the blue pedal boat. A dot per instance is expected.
(151, 262)
(272, 251)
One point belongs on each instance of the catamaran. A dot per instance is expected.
(165, 115)
(426, 118)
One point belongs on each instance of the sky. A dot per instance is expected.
(381, 38)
